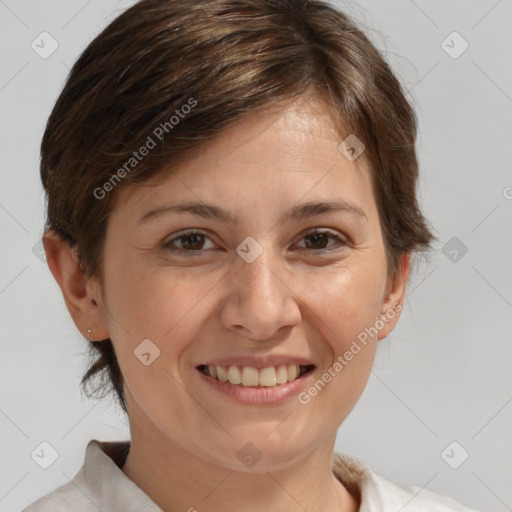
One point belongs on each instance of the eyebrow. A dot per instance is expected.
(299, 212)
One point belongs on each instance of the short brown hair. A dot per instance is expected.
(230, 57)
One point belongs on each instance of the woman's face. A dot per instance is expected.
(253, 290)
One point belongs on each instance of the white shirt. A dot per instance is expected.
(101, 485)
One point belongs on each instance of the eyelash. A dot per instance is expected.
(169, 245)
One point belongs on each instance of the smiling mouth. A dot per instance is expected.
(249, 376)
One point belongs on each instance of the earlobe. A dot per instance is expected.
(63, 262)
(393, 303)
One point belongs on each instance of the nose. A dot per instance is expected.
(260, 302)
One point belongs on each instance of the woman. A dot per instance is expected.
(231, 219)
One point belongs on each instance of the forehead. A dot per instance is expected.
(281, 133)
(292, 150)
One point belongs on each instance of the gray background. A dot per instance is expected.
(444, 373)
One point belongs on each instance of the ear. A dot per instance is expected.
(81, 294)
(395, 295)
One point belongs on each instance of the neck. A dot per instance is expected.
(176, 479)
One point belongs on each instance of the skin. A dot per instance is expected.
(295, 299)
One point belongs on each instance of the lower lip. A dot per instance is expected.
(259, 395)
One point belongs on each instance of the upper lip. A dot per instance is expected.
(258, 361)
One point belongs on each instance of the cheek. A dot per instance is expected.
(347, 301)
(346, 306)
(165, 305)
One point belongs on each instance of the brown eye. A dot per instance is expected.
(189, 242)
(319, 240)
(193, 241)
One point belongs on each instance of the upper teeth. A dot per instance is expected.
(250, 376)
